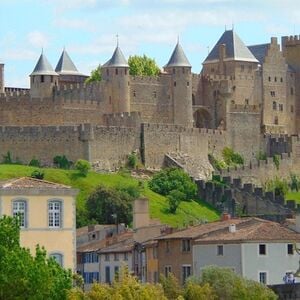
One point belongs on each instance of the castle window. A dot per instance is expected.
(272, 93)
(274, 105)
(193, 99)
(117, 71)
(292, 108)
(174, 70)
(242, 68)
(281, 107)
(125, 71)
(174, 83)
(212, 70)
(292, 91)
(134, 93)
(42, 78)
(246, 101)
(187, 84)
(276, 120)
(281, 79)
(183, 70)
(269, 78)
(107, 72)
(154, 94)
(215, 93)
(275, 79)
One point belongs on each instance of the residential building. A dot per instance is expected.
(256, 249)
(47, 215)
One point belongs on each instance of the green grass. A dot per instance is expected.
(293, 196)
(186, 212)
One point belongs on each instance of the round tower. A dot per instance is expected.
(43, 79)
(116, 74)
(181, 86)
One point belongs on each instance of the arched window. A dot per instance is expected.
(58, 257)
(55, 214)
(20, 212)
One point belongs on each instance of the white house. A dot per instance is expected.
(254, 248)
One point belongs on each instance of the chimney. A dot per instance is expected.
(141, 213)
(225, 216)
(232, 228)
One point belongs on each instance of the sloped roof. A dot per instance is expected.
(65, 65)
(259, 51)
(117, 60)
(93, 246)
(235, 49)
(178, 58)
(43, 67)
(28, 182)
(253, 229)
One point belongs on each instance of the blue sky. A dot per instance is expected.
(88, 29)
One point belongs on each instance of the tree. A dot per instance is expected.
(194, 291)
(228, 285)
(23, 276)
(96, 75)
(62, 162)
(171, 286)
(142, 66)
(171, 179)
(83, 166)
(107, 205)
(174, 199)
(37, 174)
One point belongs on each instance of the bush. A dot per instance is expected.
(174, 199)
(7, 158)
(261, 155)
(171, 179)
(83, 166)
(132, 161)
(279, 186)
(62, 162)
(37, 174)
(231, 157)
(276, 160)
(171, 286)
(295, 182)
(217, 164)
(194, 291)
(34, 163)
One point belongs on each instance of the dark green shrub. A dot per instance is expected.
(34, 163)
(7, 158)
(38, 174)
(217, 164)
(174, 199)
(171, 179)
(62, 162)
(132, 161)
(278, 186)
(295, 182)
(231, 157)
(83, 166)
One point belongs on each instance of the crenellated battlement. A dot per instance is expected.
(291, 40)
(127, 119)
(160, 79)
(14, 94)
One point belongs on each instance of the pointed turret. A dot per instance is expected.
(235, 49)
(65, 65)
(178, 58)
(43, 67)
(117, 60)
(116, 72)
(42, 79)
(179, 68)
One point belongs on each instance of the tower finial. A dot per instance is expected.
(117, 36)
(42, 50)
(177, 38)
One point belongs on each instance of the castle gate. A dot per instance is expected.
(202, 118)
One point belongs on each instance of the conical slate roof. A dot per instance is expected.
(235, 49)
(65, 65)
(178, 58)
(43, 67)
(117, 59)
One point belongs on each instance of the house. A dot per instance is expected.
(47, 215)
(257, 249)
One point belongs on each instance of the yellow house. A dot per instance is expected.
(47, 214)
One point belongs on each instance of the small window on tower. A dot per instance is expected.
(187, 84)
(281, 79)
(174, 83)
(154, 94)
(134, 93)
(292, 108)
(183, 70)
(269, 78)
(125, 71)
(42, 78)
(275, 79)
(292, 91)
(117, 71)
(276, 120)
(107, 72)
(246, 101)
(274, 105)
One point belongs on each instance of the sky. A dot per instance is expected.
(88, 29)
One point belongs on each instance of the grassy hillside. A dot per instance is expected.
(187, 211)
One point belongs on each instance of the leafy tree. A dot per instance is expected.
(83, 166)
(228, 285)
(194, 291)
(171, 179)
(62, 162)
(174, 199)
(38, 174)
(96, 75)
(171, 286)
(23, 276)
(107, 205)
(142, 66)
(34, 163)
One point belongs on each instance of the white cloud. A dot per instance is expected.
(37, 39)
(73, 23)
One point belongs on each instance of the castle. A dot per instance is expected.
(246, 97)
